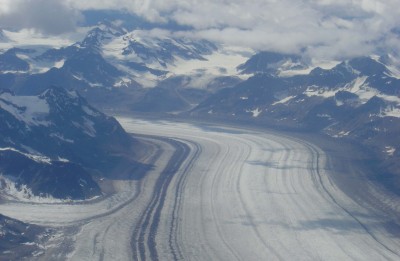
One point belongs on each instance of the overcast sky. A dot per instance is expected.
(322, 28)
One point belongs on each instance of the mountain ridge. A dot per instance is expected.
(57, 138)
(357, 99)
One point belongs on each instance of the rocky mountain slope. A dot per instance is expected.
(51, 144)
(18, 239)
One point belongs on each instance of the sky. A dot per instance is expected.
(318, 28)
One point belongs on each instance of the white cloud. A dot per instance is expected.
(4, 6)
(326, 28)
(44, 16)
(329, 29)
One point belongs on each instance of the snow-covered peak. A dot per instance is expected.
(100, 35)
(272, 63)
(156, 48)
(112, 27)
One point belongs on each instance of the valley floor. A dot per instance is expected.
(223, 193)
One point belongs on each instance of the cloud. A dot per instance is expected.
(45, 16)
(324, 28)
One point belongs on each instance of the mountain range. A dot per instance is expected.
(357, 100)
(125, 68)
(56, 146)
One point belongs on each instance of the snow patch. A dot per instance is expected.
(341, 134)
(63, 160)
(355, 86)
(315, 90)
(79, 78)
(256, 112)
(89, 127)
(290, 73)
(391, 111)
(389, 98)
(91, 84)
(94, 84)
(22, 56)
(11, 191)
(221, 63)
(37, 158)
(90, 111)
(390, 150)
(61, 137)
(39, 65)
(148, 80)
(339, 103)
(358, 87)
(324, 64)
(287, 71)
(31, 110)
(59, 64)
(394, 71)
(324, 116)
(124, 82)
(113, 49)
(362, 90)
(11, 71)
(284, 100)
